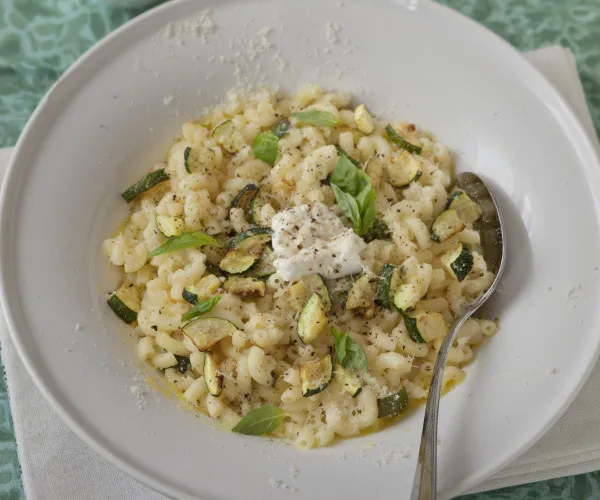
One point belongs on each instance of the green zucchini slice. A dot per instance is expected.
(244, 197)
(425, 326)
(362, 294)
(315, 284)
(212, 378)
(446, 225)
(264, 267)
(363, 119)
(350, 382)
(245, 249)
(190, 295)
(389, 278)
(316, 375)
(125, 302)
(281, 127)
(392, 405)
(399, 141)
(312, 319)
(245, 286)
(197, 159)
(458, 261)
(468, 211)
(227, 136)
(404, 171)
(406, 297)
(170, 225)
(259, 201)
(206, 332)
(144, 184)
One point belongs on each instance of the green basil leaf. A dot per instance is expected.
(348, 177)
(186, 240)
(281, 127)
(201, 308)
(260, 421)
(264, 147)
(347, 205)
(341, 152)
(400, 141)
(315, 117)
(366, 201)
(349, 353)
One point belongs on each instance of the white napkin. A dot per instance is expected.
(56, 465)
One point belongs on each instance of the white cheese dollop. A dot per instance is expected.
(310, 239)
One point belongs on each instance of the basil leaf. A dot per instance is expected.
(260, 421)
(400, 141)
(315, 117)
(264, 147)
(201, 308)
(348, 177)
(347, 205)
(281, 127)
(349, 353)
(366, 201)
(185, 240)
(341, 152)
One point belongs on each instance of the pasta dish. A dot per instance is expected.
(295, 263)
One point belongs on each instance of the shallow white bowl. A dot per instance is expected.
(116, 110)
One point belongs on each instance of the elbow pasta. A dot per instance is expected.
(259, 363)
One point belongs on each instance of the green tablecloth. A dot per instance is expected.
(39, 39)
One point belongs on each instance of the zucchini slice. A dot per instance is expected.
(361, 295)
(125, 302)
(245, 249)
(316, 375)
(315, 284)
(378, 231)
(205, 288)
(446, 225)
(227, 136)
(363, 119)
(264, 267)
(389, 278)
(392, 405)
(206, 332)
(350, 382)
(407, 296)
(197, 159)
(312, 319)
(458, 261)
(245, 286)
(190, 295)
(256, 205)
(468, 211)
(425, 326)
(170, 225)
(281, 127)
(212, 378)
(144, 184)
(244, 197)
(404, 170)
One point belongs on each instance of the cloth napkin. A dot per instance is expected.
(56, 465)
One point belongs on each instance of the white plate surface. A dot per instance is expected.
(111, 116)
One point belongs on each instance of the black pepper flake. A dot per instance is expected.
(155, 328)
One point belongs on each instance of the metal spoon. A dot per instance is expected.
(493, 246)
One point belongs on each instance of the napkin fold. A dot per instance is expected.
(57, 465)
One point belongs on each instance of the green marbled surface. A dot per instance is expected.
(39, 39)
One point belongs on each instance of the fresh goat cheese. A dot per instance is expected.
(310, 239)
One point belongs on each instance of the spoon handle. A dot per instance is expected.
(425, 482)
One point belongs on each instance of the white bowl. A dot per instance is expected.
(116, 110)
